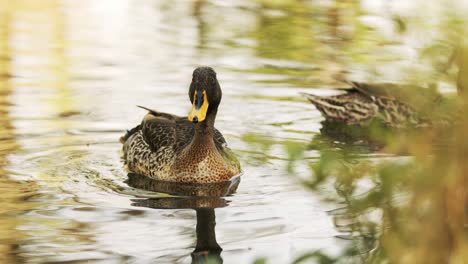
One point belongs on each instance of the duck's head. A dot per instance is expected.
(205, 94)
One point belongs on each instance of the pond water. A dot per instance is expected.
(72, 73)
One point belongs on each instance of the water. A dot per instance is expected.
(71, 75)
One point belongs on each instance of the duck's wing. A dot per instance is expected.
(414, 104)
(219, 139)
(156, 126)
(159, 130)
(166, 130)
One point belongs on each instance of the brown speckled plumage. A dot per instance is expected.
(394, 105)
(171, 148)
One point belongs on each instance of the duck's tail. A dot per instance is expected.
(132, 131)
(350, 107)
(152, 111)
(328, 106)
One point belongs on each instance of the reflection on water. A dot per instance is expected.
(184, 189)
(71, 73)
(207, 247)
(16, 196)
(195, 196)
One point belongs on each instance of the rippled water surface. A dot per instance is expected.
(71, 75)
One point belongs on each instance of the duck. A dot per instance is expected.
(183, 149)
(393, 105)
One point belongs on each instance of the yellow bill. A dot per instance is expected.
(199, 108)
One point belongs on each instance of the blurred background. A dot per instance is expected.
(72, 73)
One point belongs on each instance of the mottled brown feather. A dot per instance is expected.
(394, 105)
(160, 131)
(152, 148)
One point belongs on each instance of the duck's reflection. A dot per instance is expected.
(207, 247)
(203, 198)
(192, 190)
(361, 138)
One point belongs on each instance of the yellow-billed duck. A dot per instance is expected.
(395, 105)
(183, 149)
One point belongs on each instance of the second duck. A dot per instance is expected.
(396, 106)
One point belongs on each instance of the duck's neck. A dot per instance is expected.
(204, 131)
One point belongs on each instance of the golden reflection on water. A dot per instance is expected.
(31, 57)
(12, 192)
(38, 47)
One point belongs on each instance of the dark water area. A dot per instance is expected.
(72, 73)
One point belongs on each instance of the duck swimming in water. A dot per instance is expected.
(183, 149)
(396, 106)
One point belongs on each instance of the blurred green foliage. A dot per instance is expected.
(407, 208)
(410, 207)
